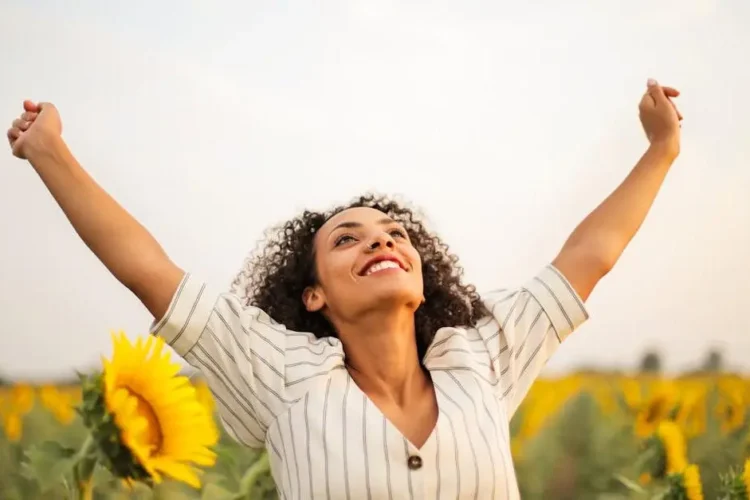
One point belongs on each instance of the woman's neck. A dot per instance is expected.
(382, 357)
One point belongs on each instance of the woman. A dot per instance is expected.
(380, 375)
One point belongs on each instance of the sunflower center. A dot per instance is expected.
(152, 435)
(654, 411)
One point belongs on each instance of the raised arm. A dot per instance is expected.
(597, 243)
(123, 245)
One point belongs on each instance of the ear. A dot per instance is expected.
(313, 298)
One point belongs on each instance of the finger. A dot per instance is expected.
(13, 134)
(671, 92)
(657, 92)
(21, 124)
(31, 106)
(679, 115)
(647, 101)
(29, 116)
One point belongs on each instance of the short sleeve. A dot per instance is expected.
(254, 366)
(526, 326)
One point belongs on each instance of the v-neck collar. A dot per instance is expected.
(391, 425)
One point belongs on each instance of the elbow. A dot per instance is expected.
(599, 255)
(155, 286)
(584, 266)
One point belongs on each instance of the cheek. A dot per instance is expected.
(334, 268)
(415, 259)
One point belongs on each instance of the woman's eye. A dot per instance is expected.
(398, 233)
(343, 239)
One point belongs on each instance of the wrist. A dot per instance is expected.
(46, 149)
(667, 147)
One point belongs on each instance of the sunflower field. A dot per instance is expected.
(581, 436)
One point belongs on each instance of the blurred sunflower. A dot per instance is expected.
(13, 426)
(675, 448)
(15, 405)
(631, 394)
(516, 448)
(684, 485)
(691, 415)
(58, 403)
(658, 407)
(691, 481)
(145, 420)
(730, 411)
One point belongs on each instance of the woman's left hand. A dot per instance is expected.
(660, 117)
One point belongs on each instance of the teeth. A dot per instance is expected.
(383, 264)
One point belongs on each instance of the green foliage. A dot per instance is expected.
(115, 456)
(48, 464)
(731, 486)
(575, 455)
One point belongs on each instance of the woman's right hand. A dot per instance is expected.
(37, 128)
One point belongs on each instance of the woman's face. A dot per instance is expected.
(364, 262)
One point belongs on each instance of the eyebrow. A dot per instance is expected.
(353, 224)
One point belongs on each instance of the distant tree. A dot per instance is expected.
(714, 361)
(651, 362)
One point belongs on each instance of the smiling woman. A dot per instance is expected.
(349, 346)
(320, 248)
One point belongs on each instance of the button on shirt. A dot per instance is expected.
(291, 393)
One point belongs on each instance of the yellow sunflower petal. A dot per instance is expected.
(179, 472)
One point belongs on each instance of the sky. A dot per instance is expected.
(504, 122)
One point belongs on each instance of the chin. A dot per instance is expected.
(394, 296)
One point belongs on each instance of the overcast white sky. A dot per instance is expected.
(505, 121)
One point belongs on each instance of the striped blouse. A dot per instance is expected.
(291, 393)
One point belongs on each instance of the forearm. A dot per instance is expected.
(122, 244)
(605, 233)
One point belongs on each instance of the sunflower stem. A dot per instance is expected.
(86, 460)
(252, 474)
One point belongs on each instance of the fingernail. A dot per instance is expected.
(651, 82)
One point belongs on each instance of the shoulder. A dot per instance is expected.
(547, 293)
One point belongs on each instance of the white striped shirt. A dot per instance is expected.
(290, 392)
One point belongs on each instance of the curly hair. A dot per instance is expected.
(275, 275)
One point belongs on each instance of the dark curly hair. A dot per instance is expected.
(276, 274)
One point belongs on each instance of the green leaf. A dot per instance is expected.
(48, 463)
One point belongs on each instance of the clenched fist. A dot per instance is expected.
(35, 129)
(660, 117)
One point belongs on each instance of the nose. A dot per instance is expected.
(381, 240)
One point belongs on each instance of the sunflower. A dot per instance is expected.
(691, 415)
(15, 405)
(658, 407)
(205, 397)
(691, 482)
(631, 394)
(684, 485)
(58, 403)
(675, 448)
(145, 420)
(13, 425)
(731, 411)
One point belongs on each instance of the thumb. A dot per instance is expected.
(31, 107)
(656, 92)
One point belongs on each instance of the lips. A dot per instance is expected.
(380, 260)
